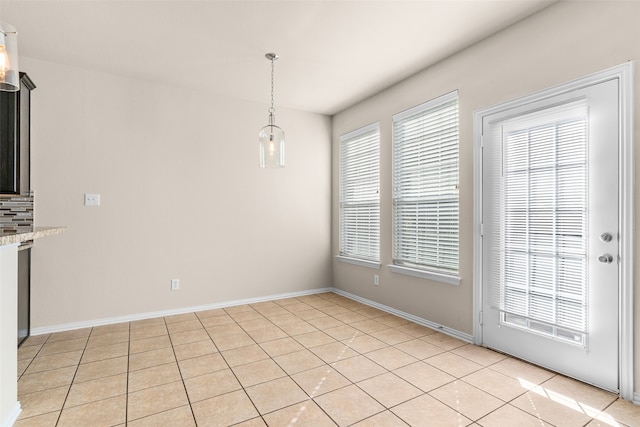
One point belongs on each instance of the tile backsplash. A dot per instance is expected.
(16, 213)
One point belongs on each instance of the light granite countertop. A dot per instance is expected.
(38, 232)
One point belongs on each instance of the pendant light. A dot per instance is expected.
(9, 75)
(271, 137)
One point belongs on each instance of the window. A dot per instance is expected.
(360, 196)
(543, 216)
(425, 190)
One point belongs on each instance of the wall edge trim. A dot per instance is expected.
(162, 313)
(407, 316)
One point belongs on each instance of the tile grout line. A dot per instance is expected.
(277, 364)
(126, 399)
(293, 337)
(330, 365)
(173, 350)
(364, 354)
(450, 351)
(387, 371)
(31, 361)
(230, 369)
(312, 396)
(287, 375)
(74, 377)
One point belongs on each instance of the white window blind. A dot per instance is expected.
(425, 186)
(359, 194)
(544, 222)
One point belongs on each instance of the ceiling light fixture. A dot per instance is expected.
(9, 75)
(271, 137)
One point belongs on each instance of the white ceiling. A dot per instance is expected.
(332, 53)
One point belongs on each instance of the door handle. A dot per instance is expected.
(606, 258)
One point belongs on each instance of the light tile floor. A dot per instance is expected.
(319, 360)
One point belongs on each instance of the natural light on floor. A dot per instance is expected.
(306, 361)
(568, 402)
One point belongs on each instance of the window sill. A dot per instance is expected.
(360, 262)
(438, 277)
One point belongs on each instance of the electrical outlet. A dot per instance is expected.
(91, 199)
(175, 284)
(376, 279)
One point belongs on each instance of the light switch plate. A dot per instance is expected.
(91, 199)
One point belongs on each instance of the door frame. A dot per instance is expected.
(624, 74)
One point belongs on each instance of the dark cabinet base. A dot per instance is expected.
(24, 293)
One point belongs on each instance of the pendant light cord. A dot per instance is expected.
(272, 110)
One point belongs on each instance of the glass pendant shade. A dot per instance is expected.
(271, 139)
(9, 75)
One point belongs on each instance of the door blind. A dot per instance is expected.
(359, 194)
(544, 222)
(425, 186)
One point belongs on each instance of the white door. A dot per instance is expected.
(550, 232)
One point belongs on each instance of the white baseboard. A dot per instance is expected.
(10, 420)
(13, 415)
(445, 330)
(172, 312)
(141, 316)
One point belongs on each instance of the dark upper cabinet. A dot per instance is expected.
(15, 111)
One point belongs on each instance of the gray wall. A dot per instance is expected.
(182, 197)
(563, 42)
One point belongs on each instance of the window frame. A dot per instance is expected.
(366, 134)
(400, 264)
